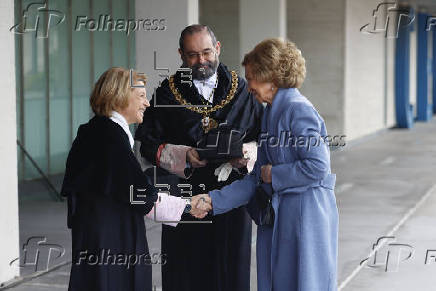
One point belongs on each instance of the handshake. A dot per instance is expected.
(200, 205)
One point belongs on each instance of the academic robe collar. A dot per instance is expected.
(91, 137)
(121, 121)
(104, 127)
(190, 93)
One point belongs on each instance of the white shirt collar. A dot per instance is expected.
(205, 87)
(210, 82)
(121, 121)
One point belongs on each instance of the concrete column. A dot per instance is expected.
(258, 20)
(413, 66)
(317, 28)
(365, 71)
(9, 247)
(223, 18)
(403, 107)
(424, 110)
(390, 82)
(434, 70)
(162, 43)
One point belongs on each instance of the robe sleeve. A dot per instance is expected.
(168, 208)
(173, 159)
(313, 161)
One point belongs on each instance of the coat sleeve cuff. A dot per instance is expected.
(167, 209)
(215, 197)
(173, 159)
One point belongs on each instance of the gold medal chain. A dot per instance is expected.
(205, 111)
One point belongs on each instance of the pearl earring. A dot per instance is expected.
(272, 88)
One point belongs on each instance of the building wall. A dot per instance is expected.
(240, 25)
(8, 147)
(164, 42)
(413, 66)
(364, 72)
(259, 20)
(390, 82)
(365, 76)
(317, 28)
(223, 18)
(350, 75)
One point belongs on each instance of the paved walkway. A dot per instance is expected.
(386, 196)
(386, 187)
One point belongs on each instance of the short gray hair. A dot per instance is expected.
(189, 30)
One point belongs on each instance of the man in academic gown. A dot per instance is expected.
(202, 256)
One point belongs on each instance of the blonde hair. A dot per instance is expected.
(278, 61)
(112, 90)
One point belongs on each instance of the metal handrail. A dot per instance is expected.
(57, 195)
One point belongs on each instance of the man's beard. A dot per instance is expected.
(204, 70)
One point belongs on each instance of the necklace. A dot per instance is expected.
(206, 122)
(210, 95)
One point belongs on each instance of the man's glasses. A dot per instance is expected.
(205, 54)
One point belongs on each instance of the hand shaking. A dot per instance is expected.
(201, 204)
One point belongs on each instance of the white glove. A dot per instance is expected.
(223, 171)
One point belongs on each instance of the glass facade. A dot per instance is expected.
(57, 65)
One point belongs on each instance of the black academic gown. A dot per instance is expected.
(202, 256)
(106, 228)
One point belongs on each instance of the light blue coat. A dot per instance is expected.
(300, 252)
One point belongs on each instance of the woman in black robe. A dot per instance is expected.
(108, 194)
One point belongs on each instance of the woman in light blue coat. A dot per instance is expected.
(299, 251)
